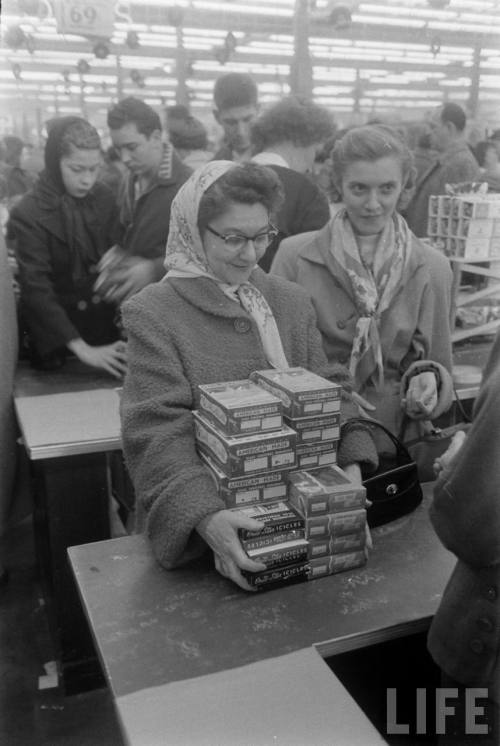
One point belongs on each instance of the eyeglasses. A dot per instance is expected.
(235, 242)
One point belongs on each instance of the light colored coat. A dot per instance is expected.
(464, 638)
(414, 328)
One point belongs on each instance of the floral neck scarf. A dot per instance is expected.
(373, 288)
(185, 257)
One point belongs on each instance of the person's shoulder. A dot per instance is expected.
(153, 298)
(434, 259)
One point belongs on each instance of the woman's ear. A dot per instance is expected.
(408, 190)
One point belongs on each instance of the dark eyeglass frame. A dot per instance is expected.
(271, 233)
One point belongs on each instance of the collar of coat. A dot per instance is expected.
(205, 294)
(317, 251)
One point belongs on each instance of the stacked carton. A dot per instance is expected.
(311, 407)
(466, 225)
(254, 435)
(334, 512)
(241, 437)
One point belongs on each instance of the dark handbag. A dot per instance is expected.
(394, 488)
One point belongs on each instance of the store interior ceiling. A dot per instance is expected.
(369, 59)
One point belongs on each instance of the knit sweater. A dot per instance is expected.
(184, 332)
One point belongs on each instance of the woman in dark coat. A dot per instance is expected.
(61, 229)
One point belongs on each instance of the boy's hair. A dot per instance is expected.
(235, 89)
(132, 110)
(455, 114)
(245, 183)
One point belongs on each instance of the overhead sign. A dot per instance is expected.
(85, 17)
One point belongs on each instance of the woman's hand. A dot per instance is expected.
(421, 396)
(220, 531)
(111, 358)
(124, 278)
(445, 460)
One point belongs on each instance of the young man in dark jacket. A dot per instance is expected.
(155, 173)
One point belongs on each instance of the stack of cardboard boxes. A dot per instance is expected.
(466, 226)
(253, 435)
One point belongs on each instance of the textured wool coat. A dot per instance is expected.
(184, 332)
(464, 638)
(415, 327)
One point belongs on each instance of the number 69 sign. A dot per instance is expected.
(85, 17)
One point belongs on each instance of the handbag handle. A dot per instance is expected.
(399, 446)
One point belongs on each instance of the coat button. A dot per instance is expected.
(343, 359)
(82, 305)
(241, 326)
(491, 593)
(477, 646)
(341, 325)
(485, 624)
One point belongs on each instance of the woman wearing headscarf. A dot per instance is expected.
(215, 317)
(381, 295)
(61, 229)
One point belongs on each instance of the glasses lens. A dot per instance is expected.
(235, 243)
(262, 241)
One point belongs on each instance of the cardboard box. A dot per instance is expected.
(248, 454)
(495, 248)
(313, 455)
(479, 206)
(240, 407)
(269, 540)
(302, 392)
(335, 524)
(276, 518)
(315, 429)
(337, 544)
(324, 491)
(277, 576)
(470, 248)
(334, 563)
(239, 491)
(475, 228)
(286, 553)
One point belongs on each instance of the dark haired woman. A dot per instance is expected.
(382, 297)
(61, 229)
(215, 317)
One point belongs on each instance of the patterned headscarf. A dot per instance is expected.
(185, 257)
(373, 289)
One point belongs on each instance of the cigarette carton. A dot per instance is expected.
(240, 407)
(479, 206)
(496, 229)
(335, 524)
(324, 491)
(268, 486)
(335, 563)
(285, 553)
(276, 518)
(315, 429)
(267, 579)
(337, 544)
(475, 228)
(495, 247)
(312, 455)
(302, 392)
(248, 454)
(269, 540)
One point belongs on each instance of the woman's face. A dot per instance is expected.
(370, 192)
(229, 265)
(79, 171)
